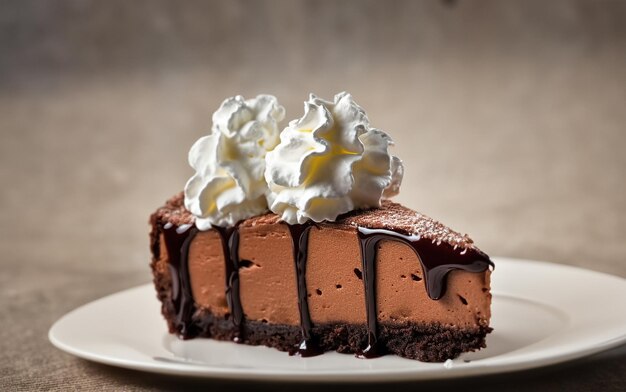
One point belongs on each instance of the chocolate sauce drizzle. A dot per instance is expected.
(300, 239)
(177, 242)
(429, 253)
(230, 247)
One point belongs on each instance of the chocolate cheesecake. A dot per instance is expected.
(288, 239)
(384, 280)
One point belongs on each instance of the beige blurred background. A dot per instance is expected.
(510, 117)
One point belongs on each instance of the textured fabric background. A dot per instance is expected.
(510, 117)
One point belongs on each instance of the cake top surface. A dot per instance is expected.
(390, 216)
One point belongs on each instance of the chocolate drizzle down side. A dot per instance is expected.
(177, 242)
(437, 260)
(430, 255)
(300, 239)
(230, 247)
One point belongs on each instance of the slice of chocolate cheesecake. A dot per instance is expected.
(375, 281)
(287, 239)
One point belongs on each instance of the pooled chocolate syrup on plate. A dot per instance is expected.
(300, 239)
(431, 255)
(177, 242)
(230, 247)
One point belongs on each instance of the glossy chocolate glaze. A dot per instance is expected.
(429, 253)
(230, 247)
(300, 239)
(177, 240)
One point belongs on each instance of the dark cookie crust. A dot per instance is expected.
(427, 343)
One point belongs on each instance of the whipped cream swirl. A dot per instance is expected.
(330, 162)
(229, 183)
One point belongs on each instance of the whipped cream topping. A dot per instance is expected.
(330, 162)
(229, 183)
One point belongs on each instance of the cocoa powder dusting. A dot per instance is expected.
(390, 216)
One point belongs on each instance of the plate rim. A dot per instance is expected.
(371, 375)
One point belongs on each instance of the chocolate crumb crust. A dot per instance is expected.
(390, 216)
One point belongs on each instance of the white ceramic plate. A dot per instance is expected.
(542, 314)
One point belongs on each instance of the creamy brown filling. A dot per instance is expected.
(268, 289)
